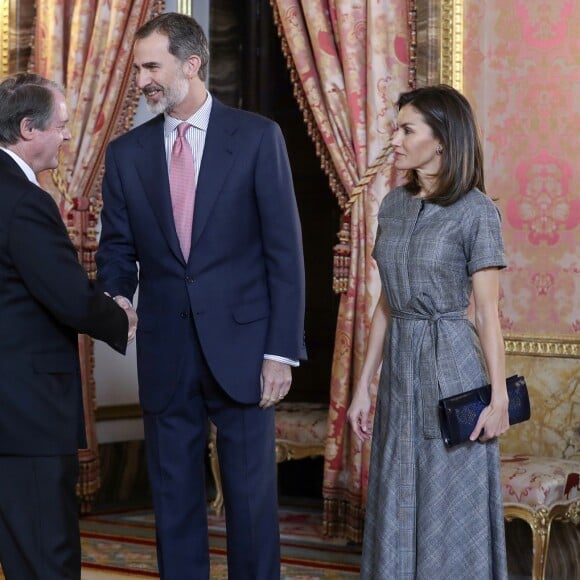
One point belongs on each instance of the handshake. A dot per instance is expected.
(126, 305)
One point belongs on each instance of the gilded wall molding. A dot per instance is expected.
(185, 7)
(543, 346)
(451, 62)
(4, 39)
(16, 30)
(439, 55)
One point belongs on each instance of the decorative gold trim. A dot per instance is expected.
(218, 502)
(451, 63)
(412, 24)
(287, 450)
(545, 346)
(4, 38)
(540, 520)
(439, 38)
(118, 412)
(185, 7)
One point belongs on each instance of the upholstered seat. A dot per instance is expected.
(300, 433)
(540, 490)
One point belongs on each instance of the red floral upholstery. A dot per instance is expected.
(540, 490)
(539, 481)
(301, 423)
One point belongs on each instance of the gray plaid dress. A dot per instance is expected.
(432, 513)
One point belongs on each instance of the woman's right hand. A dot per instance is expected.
(358, 413)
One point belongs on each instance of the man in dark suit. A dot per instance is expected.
(221, 307)
(46, 299)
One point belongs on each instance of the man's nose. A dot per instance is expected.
(142, 79)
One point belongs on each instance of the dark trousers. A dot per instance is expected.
(39, 525)
(176, 447)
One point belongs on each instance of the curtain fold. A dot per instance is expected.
(348, 63)
(86, 46)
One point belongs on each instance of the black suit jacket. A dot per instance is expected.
(46, 299)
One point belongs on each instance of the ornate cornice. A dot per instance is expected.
(451, 64)
(545, 346)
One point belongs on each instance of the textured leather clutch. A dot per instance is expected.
(458, 414)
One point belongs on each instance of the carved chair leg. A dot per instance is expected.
(218, 502)
(540, 540)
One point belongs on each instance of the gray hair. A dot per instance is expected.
(186, 37)
(22, 96)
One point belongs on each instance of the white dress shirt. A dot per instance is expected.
(23, 165)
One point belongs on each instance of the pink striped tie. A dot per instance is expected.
(182, 187)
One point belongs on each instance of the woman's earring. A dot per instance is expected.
(439, 150)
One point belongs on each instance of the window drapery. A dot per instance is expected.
(86, 46)
(349, 63)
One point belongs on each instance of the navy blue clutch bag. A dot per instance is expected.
(458, 414)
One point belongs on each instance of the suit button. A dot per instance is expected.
(189, 280)
(183, 314)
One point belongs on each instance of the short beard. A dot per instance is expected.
(172, 97)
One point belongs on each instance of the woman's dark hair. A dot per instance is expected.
(25, 95)
(452, 121)
(186, 37)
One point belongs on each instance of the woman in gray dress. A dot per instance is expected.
(434, 512)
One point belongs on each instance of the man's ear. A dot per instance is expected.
(191, 66)
(26, 129)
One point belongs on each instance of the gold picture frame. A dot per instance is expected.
(16, 29)
(4, 39)
(439, 25)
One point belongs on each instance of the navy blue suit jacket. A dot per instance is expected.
(244, 281)
(46, 299)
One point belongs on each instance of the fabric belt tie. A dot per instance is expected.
(430, 375)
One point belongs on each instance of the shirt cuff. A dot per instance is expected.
(288, 361)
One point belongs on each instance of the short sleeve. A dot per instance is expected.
(484, 241)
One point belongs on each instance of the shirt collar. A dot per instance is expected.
(199, 119)
(22, 164)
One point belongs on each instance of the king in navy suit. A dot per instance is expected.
(220, 326)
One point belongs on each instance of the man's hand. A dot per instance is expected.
(126, 305)
(276, 379)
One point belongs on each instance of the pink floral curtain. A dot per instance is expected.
(349, 63)
(86, 46)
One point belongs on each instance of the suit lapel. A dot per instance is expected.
(152, 170)
(218, 158)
